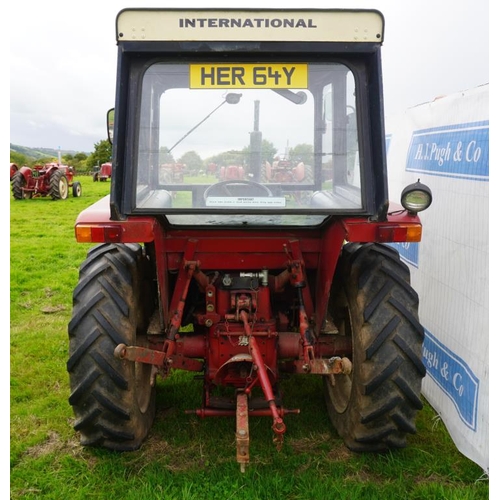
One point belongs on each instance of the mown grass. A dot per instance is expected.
(184, 458)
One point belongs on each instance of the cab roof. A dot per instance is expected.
(317, 25)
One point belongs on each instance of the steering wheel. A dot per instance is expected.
(237, 188)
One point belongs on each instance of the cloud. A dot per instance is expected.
(63, 61)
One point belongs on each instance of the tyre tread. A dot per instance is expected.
(388, 336)
(106, 313)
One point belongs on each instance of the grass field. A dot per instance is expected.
(184, 458)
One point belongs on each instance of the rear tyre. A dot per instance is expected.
(58, 185)
(373, 303)
(18, 183)
(112, 399)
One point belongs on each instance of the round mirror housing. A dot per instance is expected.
(233, 98)
(416, 197)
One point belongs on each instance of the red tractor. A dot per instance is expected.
(235, 280)
(103, 173)
(51, 179)
(285, 170)
(231, 172)
(173, 172)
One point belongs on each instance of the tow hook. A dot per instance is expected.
(346, 366)
(159, 359)
(140, 354)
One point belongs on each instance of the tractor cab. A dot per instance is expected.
(235, 88)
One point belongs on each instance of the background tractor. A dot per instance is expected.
(231, 172)
(51, 179)
(247, 282)
(283, 169)
(173, 172)
(102, 173)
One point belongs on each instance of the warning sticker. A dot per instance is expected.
(245, 201)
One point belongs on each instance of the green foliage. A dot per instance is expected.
(102, 153)
(240, 158)
(165, 156)
(302, 152)
(77, 161)
(35, 154)
(192, 160)
(18, 158)
(185, 457)
(268, 151)
(21, 155)
(227, 158)
(22, 160)
(44, 160)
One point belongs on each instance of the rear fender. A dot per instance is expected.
(26, 172)
(50, 171)
(94, 225)
(299, 172)
(399, 226)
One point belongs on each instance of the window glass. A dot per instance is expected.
(261, 137)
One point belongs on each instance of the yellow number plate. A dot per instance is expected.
(249, 76)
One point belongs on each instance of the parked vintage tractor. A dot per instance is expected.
(51, 179)
(283, 169)
(102, 173)
(231, 172)
(173, 172)
(244, 282)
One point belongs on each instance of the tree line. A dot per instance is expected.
(83, 163)
(195, 163)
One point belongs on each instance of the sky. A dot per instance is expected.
(63, 60)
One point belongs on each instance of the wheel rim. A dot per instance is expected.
(143, 385)
(63, 188)
(25, 194)
(142, 381)
(340, 392)
(340, 386)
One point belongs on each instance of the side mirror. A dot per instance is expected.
(110, 119)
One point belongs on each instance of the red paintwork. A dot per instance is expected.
(105, 172)
(285, 171)
(175, 172)
(231, 173)
(97, 216)
(13, 169)
(241, 335)
(247, 250)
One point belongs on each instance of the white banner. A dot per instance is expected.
(445, 144)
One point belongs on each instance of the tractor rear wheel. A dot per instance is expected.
(18, 183)
(113, 399)
(374, 407)
(58, 189)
